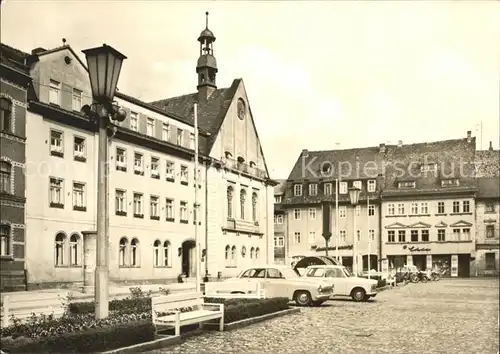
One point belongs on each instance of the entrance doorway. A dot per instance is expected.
(464, 265)
(188, 265)
(420, 261)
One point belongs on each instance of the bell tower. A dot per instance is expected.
(206, 67)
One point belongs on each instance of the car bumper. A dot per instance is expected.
(322, 297)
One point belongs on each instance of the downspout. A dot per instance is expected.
(380, 232)
(267, 225)
(208, 163)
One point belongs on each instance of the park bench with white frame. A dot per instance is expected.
(230, 291)
(201, 311)
(23, 306)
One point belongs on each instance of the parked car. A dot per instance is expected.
(344, 282)
(283, 282)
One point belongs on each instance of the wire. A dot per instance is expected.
(60, 90)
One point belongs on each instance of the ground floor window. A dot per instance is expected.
(4, 240)
(490, 261)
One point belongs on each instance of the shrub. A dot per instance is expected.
(89, 340)
(240, 309)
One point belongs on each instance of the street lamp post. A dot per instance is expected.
(354, 198)
(104, 66)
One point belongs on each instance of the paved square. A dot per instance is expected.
(448, 316)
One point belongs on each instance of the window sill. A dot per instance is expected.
(129, 266)
(154, 217)
(440, 214)
(162, 267)
(79, 208)
(184, 183)
(7, 258)
(140, 173)
(490, 212)
(76, 266)
(155, 176)
(121, 168)
(80, 158)
(169, 179)
(417, 215)
(232, 267)
(57, 205)
(139, 216)
(56, 153)
(121, 213)
(171, 219)
(184, 221)
(467, 213)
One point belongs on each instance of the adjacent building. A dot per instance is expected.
(280, 225)
(15, 87)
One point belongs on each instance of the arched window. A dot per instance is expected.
(5, 177)
(156, 253)
(243, 251)
(122, 252)
(252, 164)
(233, 256)
(243, 196)
(228, 250)
(60, 246)
(230, 202)
(257, 253)
(252, 252)
(74, 250)
(254, 206)
(166, 253)
(134, 252)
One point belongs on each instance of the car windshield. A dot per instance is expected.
(347, 272)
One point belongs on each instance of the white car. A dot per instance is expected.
(283, 282)
(345, 283)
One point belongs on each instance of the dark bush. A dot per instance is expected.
(240, 309)
(89, 340)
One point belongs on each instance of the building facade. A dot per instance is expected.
(152, 212)
(15, 87)
(280, 226)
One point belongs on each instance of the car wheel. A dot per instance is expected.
(358, 294)
(318, 303)
(303, 298)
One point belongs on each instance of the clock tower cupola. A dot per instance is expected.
(206, 67)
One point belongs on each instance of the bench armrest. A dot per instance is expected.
(209, 305)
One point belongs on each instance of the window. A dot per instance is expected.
(74, 250)
(166, 254)
(313, 189)
(425, 235)
(372, 185)
(55, 92)
(184, 175)
(327, 189)
(466, 234)
(195, 213)
(279, 241)
(77, 100)
(138, 207)
(342, 211)
(450, 183)
(404, 185)
(153, 207)
(254, 206)
(371, 210)
(5, 115)
(277, 199)
(358, 235)
(316, 273)
(312, 237)
(134, 252)
(296, 238)
(79, 148)
(342, 187)
(228, 251)
(371, 234)
(431, 167)
(401, 209)
(56, 192)
(274, 274)
(122, 252)
(191, 140)
(424, 208)
(120, 202)
(414, 235)
(180, 137)
(134, 121)
(357, 184)
(170, 171)
(391, 236)
(5, 177)
(233, 256)
(297, 190)
(279, 219)
(138, 164)
(60, 246)
(296, 214)
(358, 210)
(121, 159)
(489, 208)
(155, 167)
(414, 208)
(230, 202)
(401, 235)
(490, 261)
(79, 202)
(169, 209)
(184, 212)
(165, 132)
(456, 234)
(440, 207)
(343, 235)
(312, 213)
(456, 207)
(490, 231)
(4, 240)
(56, 143)
(441, 235)
(150, 127)
(243, 195)
(257, 253)
(390, 209)
(466, 206)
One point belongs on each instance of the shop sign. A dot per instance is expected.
(416, 249)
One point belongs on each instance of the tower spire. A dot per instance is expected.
(206, 20)
(206, 67)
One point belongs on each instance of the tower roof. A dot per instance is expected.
(206, 33)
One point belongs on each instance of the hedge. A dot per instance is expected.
(240, 309)
(89, 340)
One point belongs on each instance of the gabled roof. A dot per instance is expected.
(396, 225)
(57, 49)
(420, 224)
(461, 223)
(13, 58)
(488, 187)
(441, 224)
(280, 188)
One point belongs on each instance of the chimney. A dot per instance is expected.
(491, 146)
(400, 143)
(38, 50)
(381, 148)
(469, 136)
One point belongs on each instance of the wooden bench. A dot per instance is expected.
(22, 306)
(232, 291)
(171, 305)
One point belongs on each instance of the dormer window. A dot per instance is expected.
(450, 182)
(297, 190)
(326, 168)
(406, 185)
(241, 159)
(431, 167)
(252, 164)
(313, 189)
(228, 155)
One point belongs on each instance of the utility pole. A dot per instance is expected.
(196, 209)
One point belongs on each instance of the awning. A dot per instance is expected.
(315, 260)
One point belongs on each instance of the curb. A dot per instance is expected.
(159, 343)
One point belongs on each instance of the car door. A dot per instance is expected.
(257, 276)
(338, 279)
(275, 284)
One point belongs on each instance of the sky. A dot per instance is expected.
(320, 75)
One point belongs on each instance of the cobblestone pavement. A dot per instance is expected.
(448, 316)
